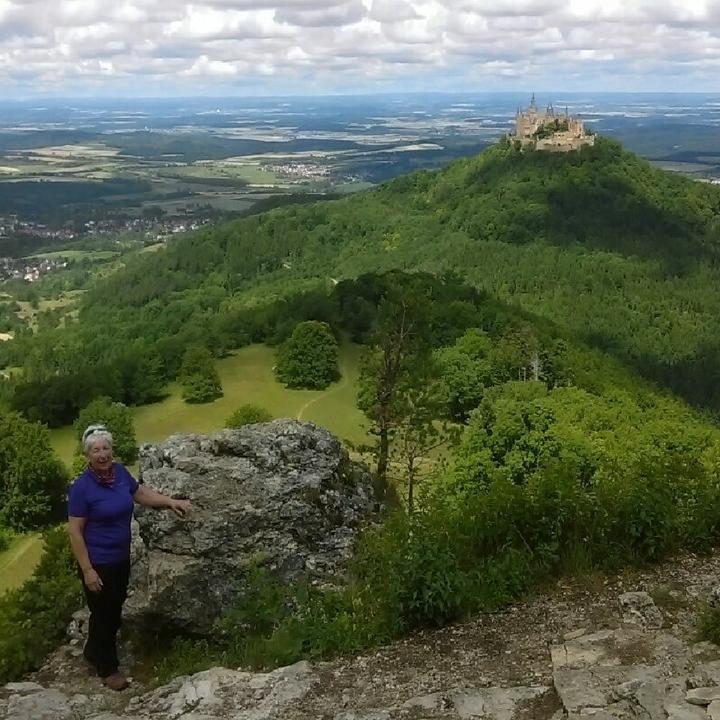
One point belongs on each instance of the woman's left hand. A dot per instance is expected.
(180, 507)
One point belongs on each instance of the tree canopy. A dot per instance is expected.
(618, 253)
(198, 377)
(309, 358)
(33, 482)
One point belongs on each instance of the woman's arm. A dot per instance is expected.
(76, 526)
(148, 497)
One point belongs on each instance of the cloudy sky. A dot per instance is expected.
(266, 47)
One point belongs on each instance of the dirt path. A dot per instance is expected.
(343, 382)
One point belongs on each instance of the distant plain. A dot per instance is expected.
(227, 154)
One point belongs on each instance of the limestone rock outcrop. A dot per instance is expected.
(283, 495)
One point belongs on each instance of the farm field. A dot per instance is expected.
(247, 377)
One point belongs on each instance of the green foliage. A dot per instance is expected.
(545, 481)
(248, 414)
(118, 419)
(32, 480)
(599, 242)
(34, 617)
(707, 624)
(309, 358)
(198, 377)
(6, 537)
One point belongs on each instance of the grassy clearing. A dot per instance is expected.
(247, 377)
(251, 172)
(28, 314)
(152, 248)
(19, 561)
(77, 254)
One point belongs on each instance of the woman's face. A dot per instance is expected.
(100, 455)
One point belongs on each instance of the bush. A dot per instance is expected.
(309, 359)
(32, 480)
(544, 482)
(707, 625)
(6, 537)
(198, 377)
(34, 617)
(248, 415)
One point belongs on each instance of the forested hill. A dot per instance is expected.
(619, 254)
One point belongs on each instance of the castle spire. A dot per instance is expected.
(533, 105)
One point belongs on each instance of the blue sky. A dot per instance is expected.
(104, 48)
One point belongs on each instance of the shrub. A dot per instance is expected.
(34, 617)
(248, 415)
(707, 625)
(309, 358)
(6, 537)
(198, 377)
(32, 479)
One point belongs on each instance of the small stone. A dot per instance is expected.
(575, 634)
(424, 702)
(708, 673)
(43, 705)
(702, 696)
(627, 690)
(259, 682)
(22, 688)
(639, 608)
(684, 712)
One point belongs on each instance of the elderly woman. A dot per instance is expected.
(100, 506)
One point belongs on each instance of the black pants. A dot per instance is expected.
(105, 616)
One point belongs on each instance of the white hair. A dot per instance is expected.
(92, 434)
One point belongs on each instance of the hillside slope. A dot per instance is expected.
(620, 254)
(571, 649)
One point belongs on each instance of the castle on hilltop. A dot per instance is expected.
(549, 130)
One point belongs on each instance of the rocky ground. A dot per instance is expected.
(605, 649)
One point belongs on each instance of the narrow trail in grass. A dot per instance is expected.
(343, 382)
(19, 561)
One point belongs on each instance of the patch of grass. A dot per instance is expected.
(77, 254)
(247, 378)
(19, 560)
(707, 625)
(667, 599)
(33, 617)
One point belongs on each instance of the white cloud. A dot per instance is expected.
(342, 45)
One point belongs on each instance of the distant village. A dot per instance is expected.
(30, 269)
(298, 172)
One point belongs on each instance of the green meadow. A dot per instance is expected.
(19, 561)
(247, 377)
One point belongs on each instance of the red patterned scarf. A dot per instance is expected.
(104, 477)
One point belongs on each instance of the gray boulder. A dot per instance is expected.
(283, 495)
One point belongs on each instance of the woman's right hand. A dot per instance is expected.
(92, 580)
